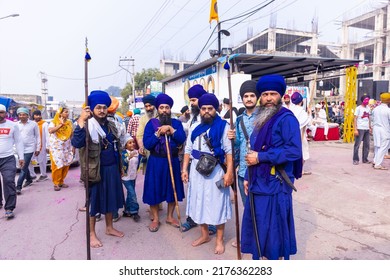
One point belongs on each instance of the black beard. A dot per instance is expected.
(195, 110)
(187, 116)
(165, 119)
(265, 114)
(250, 107)
(101, 121)
(207, 120)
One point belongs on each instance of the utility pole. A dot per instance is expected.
(44, 92)
(125, 63)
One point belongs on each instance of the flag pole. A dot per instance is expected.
(227, 67)
(86, 180)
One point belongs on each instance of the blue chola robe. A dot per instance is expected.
(278, 143)
(158, 182)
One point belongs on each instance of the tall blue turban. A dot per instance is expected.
(271, 83)
(163, 98)
(98, 97)
(208, 99)
(196, 91)
(22, 110)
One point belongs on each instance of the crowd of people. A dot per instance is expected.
(187, 157)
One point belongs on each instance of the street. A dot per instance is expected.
(341, 212)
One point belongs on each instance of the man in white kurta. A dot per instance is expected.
(208, 198)
(41, 159)
(303, 119)
(381, 131)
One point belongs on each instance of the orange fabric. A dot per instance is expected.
(129, 113)
(65, 132)
(58, 175)
(40, 124)
(114, 105)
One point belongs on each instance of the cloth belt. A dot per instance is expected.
(164, 155)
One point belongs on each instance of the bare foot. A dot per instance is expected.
(201, 240)
(114, 232)
(219, 248)
(95, 242)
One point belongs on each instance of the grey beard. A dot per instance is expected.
(150, 114)
(265, 114)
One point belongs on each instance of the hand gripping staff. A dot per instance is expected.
(173, 182)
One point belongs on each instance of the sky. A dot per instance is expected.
(49, 36)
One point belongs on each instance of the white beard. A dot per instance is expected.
(265, 114)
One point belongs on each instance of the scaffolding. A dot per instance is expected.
(350, 104)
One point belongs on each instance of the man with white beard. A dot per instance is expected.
(274, 161)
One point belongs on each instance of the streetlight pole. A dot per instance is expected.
(127, 61)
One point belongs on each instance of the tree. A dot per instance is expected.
(114, 91)
(142, 79)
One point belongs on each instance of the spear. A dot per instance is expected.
(227, 67)
(87, 136)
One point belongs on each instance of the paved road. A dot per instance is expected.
(341, 212)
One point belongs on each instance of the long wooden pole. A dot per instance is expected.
(173, 181)
(234, 173)
(86, 181)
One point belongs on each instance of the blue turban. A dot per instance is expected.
(208, 99)
(98, 97)
(149, 99)
(296, 98)
(271, 83)
(137, 111)
(163, 98)
(196, 91)
(22, 110)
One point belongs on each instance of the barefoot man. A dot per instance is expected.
(208, 200)
(106, 193)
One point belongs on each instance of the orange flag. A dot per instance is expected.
(213, 11)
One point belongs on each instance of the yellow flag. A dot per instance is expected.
(213, 11)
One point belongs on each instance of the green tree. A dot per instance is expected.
(143, 78)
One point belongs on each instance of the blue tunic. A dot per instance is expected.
(158, 184)
(272, 198)
(107, 195)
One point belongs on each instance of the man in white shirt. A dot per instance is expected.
(41, 159)
(9, 136)
(362, 125)
(29, 132)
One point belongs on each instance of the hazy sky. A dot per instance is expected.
(49, 36)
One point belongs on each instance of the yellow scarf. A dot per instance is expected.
(40, 124)
(65, 132)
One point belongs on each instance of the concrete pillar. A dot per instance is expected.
(378, 48)
(272, 39)
(387, 51)
(344, 41)
(249, 47)
(314, 44)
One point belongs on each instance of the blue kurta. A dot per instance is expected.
(158, 183)
(107, 195)
(272, 198)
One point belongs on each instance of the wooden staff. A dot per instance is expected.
(234, 173)
(87, 136)
(173, 182)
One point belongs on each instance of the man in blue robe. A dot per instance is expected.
(268, 223)
(106, 191)
(158, 185)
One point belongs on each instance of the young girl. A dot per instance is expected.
(130, 163)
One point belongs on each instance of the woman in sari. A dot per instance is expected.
(61, 150)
